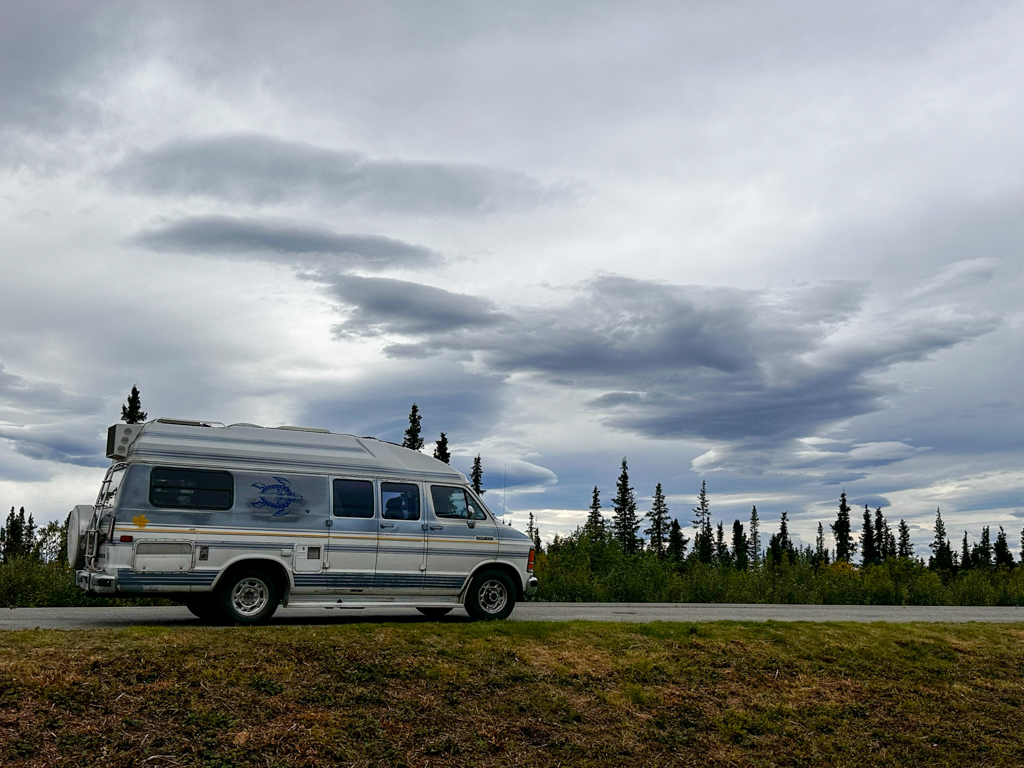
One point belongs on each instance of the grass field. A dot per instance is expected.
(578, 694)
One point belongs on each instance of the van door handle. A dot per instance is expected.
(387, 525)
(437, 527)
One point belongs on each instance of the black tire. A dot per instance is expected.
(491, 596)
(204, 607)
(434, 613)
(247, 597)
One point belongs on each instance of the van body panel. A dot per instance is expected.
(345, 518)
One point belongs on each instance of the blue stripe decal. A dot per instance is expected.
(380, 581)
(129, 578)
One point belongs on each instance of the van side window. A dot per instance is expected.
(401, 501)
(191, 489)
(353, 498)
(449, 501)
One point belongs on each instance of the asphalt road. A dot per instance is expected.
(173, 616)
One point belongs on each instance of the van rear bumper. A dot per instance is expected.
(101, 583)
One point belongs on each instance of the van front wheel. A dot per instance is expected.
(248, 597)
(491, 596)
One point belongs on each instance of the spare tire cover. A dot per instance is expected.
(78, 524)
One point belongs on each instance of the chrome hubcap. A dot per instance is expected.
(250, 597)
(493, 596)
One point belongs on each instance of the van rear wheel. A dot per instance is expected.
(247, 597)
(491, 596)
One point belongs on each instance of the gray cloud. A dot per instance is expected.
(286, 242)
(508, 474)
(66, 443)
(257, 170)
(380, 305)
(20, 395)
(465, 406)
(681, 361)
(47, 57)
(41, 420)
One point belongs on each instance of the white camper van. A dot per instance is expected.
(235, 520)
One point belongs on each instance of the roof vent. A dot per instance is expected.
(306, 429)
(246, 424)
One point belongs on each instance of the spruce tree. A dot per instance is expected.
(132, 413)
(723, 557)
(889, 551)
(885, 542)
(658, 532)
(754, 545)
(533, 531)
(981, 553)
(594, 526)
(625, 522)
(905, 548)
(781, 545)
(869, 554)
(965, 554)
(677, 543)
(441, 452)
(413, 439)
(942, 551)
(476, 476)
(739, 546)
(1004, 558)
(703, 540)
(18, 536)
(845, 548)
(821, 554)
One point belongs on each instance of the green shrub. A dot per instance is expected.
(974, 587)
(926, 589)
(26, 582)
(637, 580)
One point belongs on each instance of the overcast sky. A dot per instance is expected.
(776, 246)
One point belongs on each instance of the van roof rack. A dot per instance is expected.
(190, 423)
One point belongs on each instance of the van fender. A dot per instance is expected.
(497, 565)
(250, 561)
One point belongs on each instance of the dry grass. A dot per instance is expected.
(514, 694)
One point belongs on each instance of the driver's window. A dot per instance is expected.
(477, 509)
(449, 502)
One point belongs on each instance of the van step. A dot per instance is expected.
(358, 601)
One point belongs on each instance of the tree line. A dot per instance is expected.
(610, 559)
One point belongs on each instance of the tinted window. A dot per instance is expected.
(449, 501)
(353, 498)
(191, 489)
(401, 501)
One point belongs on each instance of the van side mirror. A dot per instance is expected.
(472, 514)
